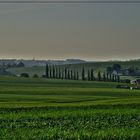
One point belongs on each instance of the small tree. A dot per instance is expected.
(35, 76)
(25, 75)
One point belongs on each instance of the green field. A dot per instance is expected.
(44, 109)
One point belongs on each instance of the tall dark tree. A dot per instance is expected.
(59, 75)
(53, 72)
(107, 76)
(92, 75)
(104, 76)
(50, 73)
(62, 74)
(47, 71)
(99, 76)
(71, 74)
(83, 74)
(110, 77)
(77, 75)
(118, 78)
(113, 78)
(89, 76)
(66, 75)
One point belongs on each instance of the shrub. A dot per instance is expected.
(35, 76)
(26, 75)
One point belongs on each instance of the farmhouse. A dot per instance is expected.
(134, 82)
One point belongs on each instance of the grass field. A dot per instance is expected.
(43, 109)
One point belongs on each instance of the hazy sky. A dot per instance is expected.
(58, 31)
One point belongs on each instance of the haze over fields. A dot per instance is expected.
(59, 31)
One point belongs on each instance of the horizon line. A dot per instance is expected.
(86, 60)
(70, 2)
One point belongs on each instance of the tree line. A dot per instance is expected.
(56, 72)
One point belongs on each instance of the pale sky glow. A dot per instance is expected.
(59, 31)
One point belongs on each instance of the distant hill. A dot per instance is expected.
(31, 63)
(97, 66)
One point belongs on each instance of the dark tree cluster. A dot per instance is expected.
(56, 72)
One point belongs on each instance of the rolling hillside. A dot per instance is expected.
(43, 109)
(97, 66)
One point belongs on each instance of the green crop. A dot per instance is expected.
(40, 109)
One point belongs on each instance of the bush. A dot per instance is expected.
(127, 80)
(35, 76)
(26, 75)
(43, 76)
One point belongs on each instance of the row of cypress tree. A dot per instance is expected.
(56, 72)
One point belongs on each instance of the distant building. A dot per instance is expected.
(20, 64)
(134, 82)
(116, 73)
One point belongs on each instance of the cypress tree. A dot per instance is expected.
(118, 78)
(68, 77)
(77, 75)
(59, 75)
(71, 74)
(65, 73)
(83, 74)
(107, 76)
(99, 76)
(56, 73)
(53, 72)
(104, 76)
(89, 78)
(50, 71)
(110, 77)
(47, 71)
(113, 78)
(92, 75)
(62, 74)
